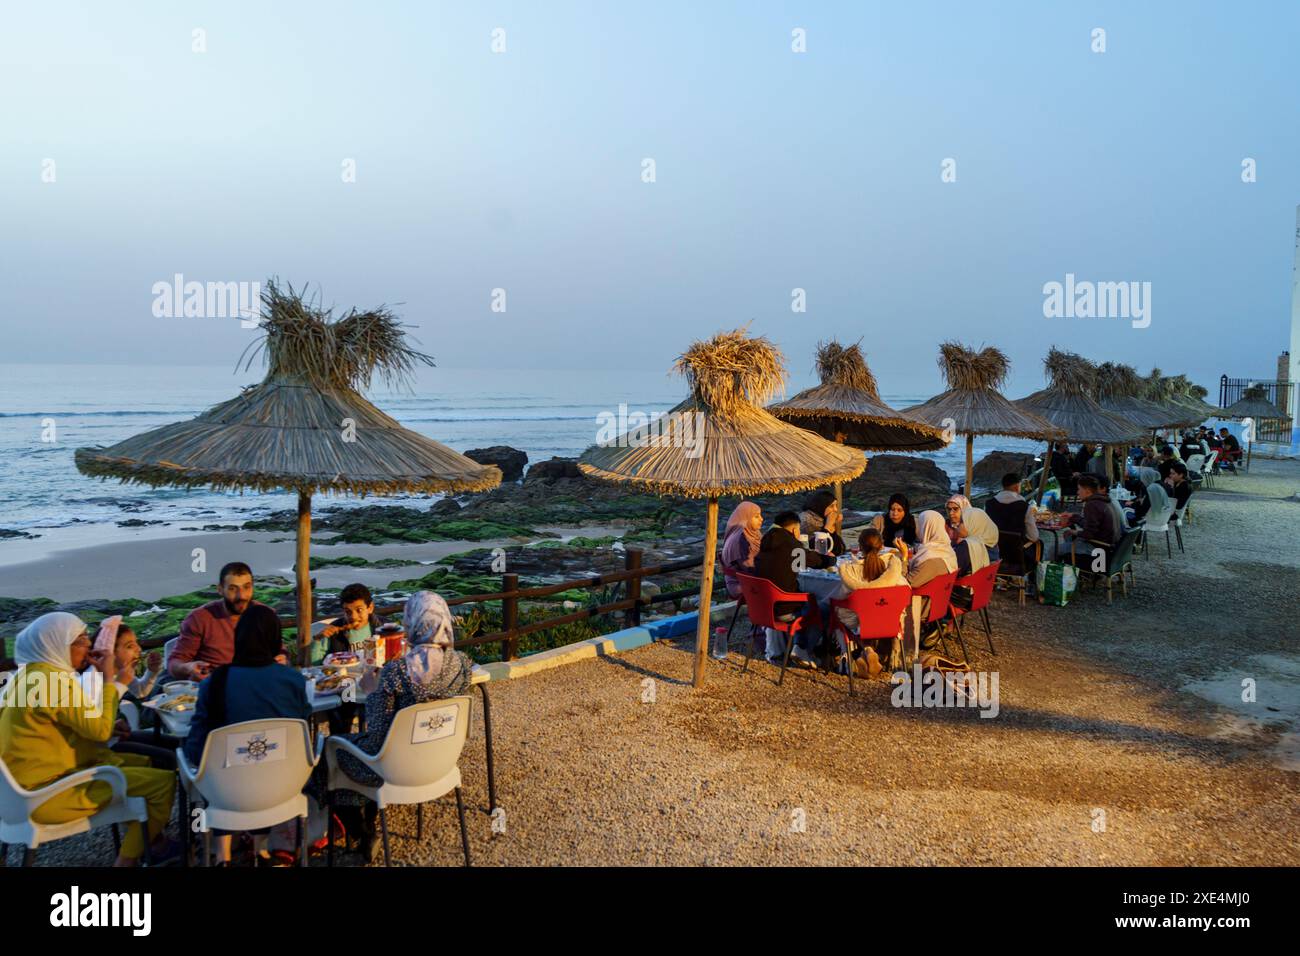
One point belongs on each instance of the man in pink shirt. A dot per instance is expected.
(207, 637)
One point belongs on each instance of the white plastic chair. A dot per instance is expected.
(1156, 522)
(17, 806)
(417, 763)
(245, 784)
(1207, 472)
(168, 649)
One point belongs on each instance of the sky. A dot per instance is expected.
(127, 156)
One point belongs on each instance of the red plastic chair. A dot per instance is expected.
(939, 593)
(880, 612)
(761, 597)
(981, 584)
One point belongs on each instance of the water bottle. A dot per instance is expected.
(720, 643)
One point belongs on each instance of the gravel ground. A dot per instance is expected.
(1107, 749)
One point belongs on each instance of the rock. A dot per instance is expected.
(10, 533)
(136, 523)
(511, 461)
(923, 482)
(447, 506)
(553, 469)
(990, 469)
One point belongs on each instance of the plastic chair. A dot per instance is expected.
(1207, 470)
(1013, 568)
(761, 597)
(880, 614)
(1156, 522)
(18, 804)
(981, 584)
(130, 712)
(938, 592)
(168, 648)
(1119, 558)
(247, 782)
(418, 762)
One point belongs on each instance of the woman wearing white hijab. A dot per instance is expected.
(978, 545)
(50, 728)
(933, 556)
(429, 670)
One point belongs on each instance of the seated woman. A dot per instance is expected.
(932, 559)
(877, 569)
(253, 686)
(821, 513)
(972, 534)
(897, 521)
(429, 670)
(779, 555)
(740, 541)
(44, 738)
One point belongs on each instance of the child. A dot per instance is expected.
(350, 632)
(877, 569)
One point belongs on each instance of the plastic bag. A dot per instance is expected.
(1056, 583)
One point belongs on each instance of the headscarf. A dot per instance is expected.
(258, 640)
(48, 640)
(963, 503)
(982, 534)
(106, 639)
(888, 529)
(1158, 499)
(734, 553)
(429, 635)
(932, 542)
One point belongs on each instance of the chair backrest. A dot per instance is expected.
(255, 765)
(424, 742)
(130, 712)
(1195, 463)
(879, 610)
(1209, 462)
(761, 596)
(168, 648)
(13, 805)
(1159, 520)
(1123, 551)
(1011, 546)
(939, 591)
(981, 584)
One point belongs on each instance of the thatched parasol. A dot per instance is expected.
(846, 408)
(720, 441)
(1255, 406)
(972, 405)
(304, 428)
(1119, 390)
(1175, 393)
(1068, 404)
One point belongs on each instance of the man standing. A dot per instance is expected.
(207, 637)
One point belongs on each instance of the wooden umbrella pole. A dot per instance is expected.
(839, 496)
(970, 463)
(304, 577)
(1042, 476)
(706, 591)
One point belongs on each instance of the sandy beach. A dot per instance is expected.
(148, 566)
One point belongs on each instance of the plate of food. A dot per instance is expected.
(331, 683)
(178, 704)
(175, 687)
(345, 659)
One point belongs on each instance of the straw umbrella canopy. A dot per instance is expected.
(972, 405)
(305, 428)
(1119, 390)
(846, 408)
(1173, 392)
(721, 441)
(1253, 405)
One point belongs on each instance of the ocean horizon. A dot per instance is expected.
(53, 409)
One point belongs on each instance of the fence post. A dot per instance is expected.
(632, 562)
(510, 617)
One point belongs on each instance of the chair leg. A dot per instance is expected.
(419, 821)
(329, 830)
(961, 639)
(785, 661)
(749, 652)
(207, 847)
(1178, 533)
(464, 833)
(848, 657)
(117, 840)
(302, 841)
(1168, 547)
(734, 614)
(29, 856)
(988, 631)
(383, 828)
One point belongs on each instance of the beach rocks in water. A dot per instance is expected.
(990, 469)
(511, 461)
(447, 506)
(136, 523)
(553, 469)
(923, 482)
(10, 533)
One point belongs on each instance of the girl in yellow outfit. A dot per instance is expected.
(49, 728)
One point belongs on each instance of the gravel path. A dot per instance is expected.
(1101, 753)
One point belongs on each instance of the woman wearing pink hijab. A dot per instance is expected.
(740, 541)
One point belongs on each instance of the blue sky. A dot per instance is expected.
(775, 171)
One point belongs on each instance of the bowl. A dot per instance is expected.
(172, 688)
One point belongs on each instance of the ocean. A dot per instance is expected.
(50, 410)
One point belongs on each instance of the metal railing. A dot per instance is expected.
(1278, 394)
